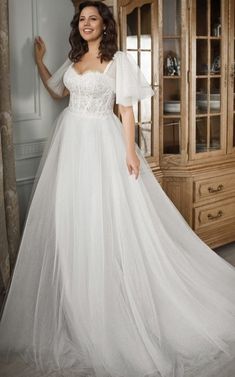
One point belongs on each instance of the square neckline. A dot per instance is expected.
(92, 70)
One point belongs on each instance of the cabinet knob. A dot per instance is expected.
(218, 189)
(155, 86)
(214, 217)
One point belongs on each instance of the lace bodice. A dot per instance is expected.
(91, 93)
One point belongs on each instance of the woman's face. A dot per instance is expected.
(90, 25)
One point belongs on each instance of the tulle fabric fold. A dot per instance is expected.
(55, 82)
(131, 85)
(112, 282)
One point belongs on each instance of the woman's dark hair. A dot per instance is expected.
(108, 44)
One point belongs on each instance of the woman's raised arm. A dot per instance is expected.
(39, 52)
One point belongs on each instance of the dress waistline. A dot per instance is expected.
(87, 114)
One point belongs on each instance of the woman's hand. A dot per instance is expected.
(128, 120)
(133, 164)
(39, 49)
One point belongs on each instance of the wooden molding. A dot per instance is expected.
(123, 3)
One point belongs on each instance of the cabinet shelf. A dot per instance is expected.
(205, 115)
(208, 38)
(211, 75)
(171, 77)
(171, 37)
(139, 50)
(171, 115)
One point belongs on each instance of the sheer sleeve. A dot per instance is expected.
(131, 84)
(55, 82)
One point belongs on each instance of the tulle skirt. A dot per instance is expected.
(110, 280)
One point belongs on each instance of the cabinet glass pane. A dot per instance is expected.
(146, 110)
(201, 18)
(202, 57)
(171, 51)
(214, 132)
(202, 96)
(139, 45)
(134, 54)
(145, 28)
(215, 57)
(201, 134)
(137, 134)
(145, 139)
(215, 18)
(171, 96)
(208, 75)
(145, 41)
(171, 17)
(171, 136)
(215, 97)
(171, 84)
(132, 30)
(146, 64)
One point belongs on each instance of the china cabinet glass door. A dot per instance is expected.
(209, 79)
(173, 98)
(138, 38)
(231, 79)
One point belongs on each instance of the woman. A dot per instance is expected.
(110, 280)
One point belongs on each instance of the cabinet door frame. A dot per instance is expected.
(126, 7)
(231, 76)
(193, 155)
(182, 156)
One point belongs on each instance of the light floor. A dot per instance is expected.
(228, 253)
(18, 369)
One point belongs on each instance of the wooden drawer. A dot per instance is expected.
(214, 213)
(213, 187)
(218, 234)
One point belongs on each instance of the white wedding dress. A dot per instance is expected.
(110, 280)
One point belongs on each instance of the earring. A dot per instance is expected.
(104, 32)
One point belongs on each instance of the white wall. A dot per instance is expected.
(33, 109)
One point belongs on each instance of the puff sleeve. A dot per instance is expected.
(55, 82)
(130, 83)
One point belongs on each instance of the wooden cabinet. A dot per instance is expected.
(139, 36)
(187, 48)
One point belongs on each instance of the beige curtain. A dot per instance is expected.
(9, 210)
